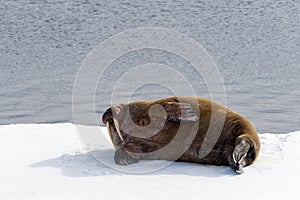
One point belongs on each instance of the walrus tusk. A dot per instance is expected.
(109, 130)
(118, 129)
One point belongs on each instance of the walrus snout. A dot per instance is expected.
(111, 113)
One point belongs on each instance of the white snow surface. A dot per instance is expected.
(49, 161)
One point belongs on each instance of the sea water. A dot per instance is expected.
(255, 45)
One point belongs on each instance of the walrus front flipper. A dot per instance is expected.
(238, 159)
(180, 112)
(123, 158)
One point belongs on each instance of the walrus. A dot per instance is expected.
(181, 129)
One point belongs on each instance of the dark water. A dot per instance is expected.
(255, 44)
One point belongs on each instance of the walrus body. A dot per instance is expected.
(181, 129)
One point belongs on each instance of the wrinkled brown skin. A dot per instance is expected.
(236, 127)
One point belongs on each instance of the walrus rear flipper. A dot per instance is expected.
(180, 112)
(238, 159)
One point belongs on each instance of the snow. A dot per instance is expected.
(48, 161)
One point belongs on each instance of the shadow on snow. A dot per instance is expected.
(100, 163)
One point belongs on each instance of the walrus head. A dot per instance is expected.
(138, 119)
